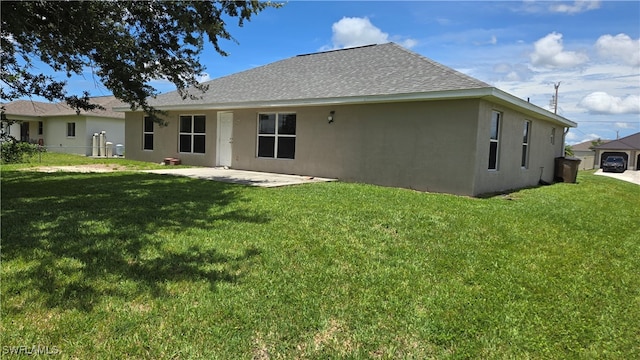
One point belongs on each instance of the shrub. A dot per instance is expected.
(15, 151)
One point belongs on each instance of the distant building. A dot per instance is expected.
(585, 151)
(628, 147)
(60, 128)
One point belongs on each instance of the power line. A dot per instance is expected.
(607, 121)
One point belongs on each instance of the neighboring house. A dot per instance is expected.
(376, 114)
(60, 129)
(628, 147)
(585, 151)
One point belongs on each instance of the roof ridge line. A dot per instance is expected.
(283, 59)
(335, 50)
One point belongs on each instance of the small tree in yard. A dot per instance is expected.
(568, 150)
(15, 151)
(126, 44)
(595, 143)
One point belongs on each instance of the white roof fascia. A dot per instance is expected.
(529, 108)
(43, 117)
(16, 117)
(489, 93)
(347, 100)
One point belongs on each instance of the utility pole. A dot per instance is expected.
(555, 98)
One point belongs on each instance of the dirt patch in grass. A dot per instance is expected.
(332, 337)
(89, 168)
(260, 351)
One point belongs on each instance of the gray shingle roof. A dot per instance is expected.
(43, 109)
(373, 70)
(586, 145)
(631, 142)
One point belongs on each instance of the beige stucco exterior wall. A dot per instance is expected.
(13, 130)
(418, 145)
(166, 139)
(56, 139)
(54, 132)
(438, 146)
(16, 131)
(510, 173)
(587, 159)
(33, 131)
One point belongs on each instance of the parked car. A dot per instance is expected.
(613, 164)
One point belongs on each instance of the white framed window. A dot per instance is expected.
(494, 140)
(277, 135)
(147, 133)
(192, 134)
(71, 129)
(526, 134)
(40, 127)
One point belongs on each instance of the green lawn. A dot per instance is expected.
(132, 265)
(58, 159)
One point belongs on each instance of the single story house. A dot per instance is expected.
(585, 151)
(628, 147)
(60, 128)
(377, 114)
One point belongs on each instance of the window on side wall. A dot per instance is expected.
(71, 129)
(192, 134)
(494, 140)
(40, 127)
(147, 133)
(277, 135)
(525, 144)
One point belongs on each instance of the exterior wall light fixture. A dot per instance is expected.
(330, 117)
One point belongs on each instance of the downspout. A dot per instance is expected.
(564, 135)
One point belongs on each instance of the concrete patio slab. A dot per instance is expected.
(253, 178)
(632, 176)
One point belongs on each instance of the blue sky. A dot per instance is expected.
(523, 47)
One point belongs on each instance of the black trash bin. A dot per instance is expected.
(566, 169)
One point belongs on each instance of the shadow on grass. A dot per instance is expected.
(70, 239)
(507, 194)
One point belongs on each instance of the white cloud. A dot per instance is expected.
(577, 6)
(620, 47)
(513, 76)
(492, 41)
(354, 31)
(529, 6)
(8, 38)
(502, 68)
(204, 77)
(549, 52)
(624, 125)
(602, 103)
(572, 138)
(591, 137)
(516, 72)
(566, 7)
(409, 43)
